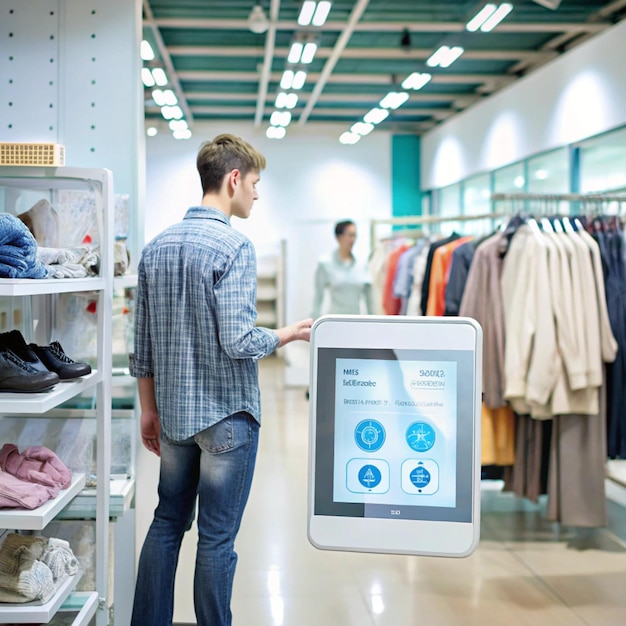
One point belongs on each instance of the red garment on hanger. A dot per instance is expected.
(391, 304)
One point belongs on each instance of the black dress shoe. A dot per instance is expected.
(56, 360)
(15, 342)
(17, 375)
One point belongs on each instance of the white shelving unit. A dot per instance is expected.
(271, 286)
(88, 604)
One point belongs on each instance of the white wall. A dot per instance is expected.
(579, 94)
(311, 181)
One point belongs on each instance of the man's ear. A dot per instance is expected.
(234, 178)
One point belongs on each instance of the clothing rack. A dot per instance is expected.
(565, 197)
(422, 220)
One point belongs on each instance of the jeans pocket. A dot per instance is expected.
(229, 433)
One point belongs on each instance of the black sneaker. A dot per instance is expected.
(17, 375)
(15, 342)
(56, 360)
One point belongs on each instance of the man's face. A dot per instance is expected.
(245, 194)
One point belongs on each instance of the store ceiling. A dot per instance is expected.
(220, 70)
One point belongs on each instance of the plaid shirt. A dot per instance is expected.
(195, 315)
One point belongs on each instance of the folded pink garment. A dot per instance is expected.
(36, 464)
(20, 494)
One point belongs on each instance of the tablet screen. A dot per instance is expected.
(394, 434)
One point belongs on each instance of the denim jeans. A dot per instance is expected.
(216, 465)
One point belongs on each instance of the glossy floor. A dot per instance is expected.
(525, 571)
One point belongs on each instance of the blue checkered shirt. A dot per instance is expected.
(195, 315)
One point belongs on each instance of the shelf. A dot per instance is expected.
(21, 403)
(85, 602)
(40, 178)
(83, 506)
(38, 519)
(43, 286)
(35, 612)
(268, 293)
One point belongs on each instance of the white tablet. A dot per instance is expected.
(394, 447)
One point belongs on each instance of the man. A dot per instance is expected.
(195, 360)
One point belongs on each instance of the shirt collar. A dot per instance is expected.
(340, 261)
(207, 213)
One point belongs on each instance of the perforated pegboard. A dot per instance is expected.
(29, 70)
(70, 74)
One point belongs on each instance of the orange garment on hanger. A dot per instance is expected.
(391, 304)
(442, 258)
(498, 436)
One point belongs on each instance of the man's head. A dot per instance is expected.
(229, 167)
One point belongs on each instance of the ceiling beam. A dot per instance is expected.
(370, 98)
(270, 40)
(167, 61)
(362, 53)
(329, 66)
(375, 79)
(414, 27)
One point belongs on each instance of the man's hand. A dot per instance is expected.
(151, 431)
(300, 331)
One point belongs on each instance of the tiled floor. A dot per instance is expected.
(525, 571)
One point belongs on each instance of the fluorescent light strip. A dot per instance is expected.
(158, 97)
(308, 53)
(170, 97)
(321, 13)
(275, 132)
(147, 54)
(306, 12)
(348, 138)
(160, 77)
(501, 12)
(362, 128)
(481, 17)
(416, 80)
(286, 82)
(298, 79)
(295, 52)
(394, 99)
(375, 116)
(182, 134)
(453, 54)
(147, 78)
(280, 118)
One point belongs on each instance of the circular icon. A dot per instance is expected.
(420, 436)
(369, 435)
(420, 477)
(370, 476)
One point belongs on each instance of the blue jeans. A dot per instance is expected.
(216, 465)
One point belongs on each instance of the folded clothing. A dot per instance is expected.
(68, 262)
(18, 250)
(21, 494)
(23, 577)
(36, 464)
(58, 556)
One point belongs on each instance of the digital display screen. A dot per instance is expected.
(394, 433)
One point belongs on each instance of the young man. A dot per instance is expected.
(195, 360)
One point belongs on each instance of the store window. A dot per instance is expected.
(477, 201)
(510, 179)
(603, 163)
(449, 206)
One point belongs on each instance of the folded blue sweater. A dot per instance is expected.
(18, 250)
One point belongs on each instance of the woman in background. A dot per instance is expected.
(346, 281)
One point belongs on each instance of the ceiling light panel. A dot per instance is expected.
(321, 13)
(394, 99)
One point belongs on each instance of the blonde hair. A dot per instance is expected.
(221, 156)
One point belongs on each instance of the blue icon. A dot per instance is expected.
(369, 435)
(420, 436)
(370, 476)
(420, 477)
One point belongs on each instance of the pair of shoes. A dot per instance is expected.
(17, 375)
(43, 358)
